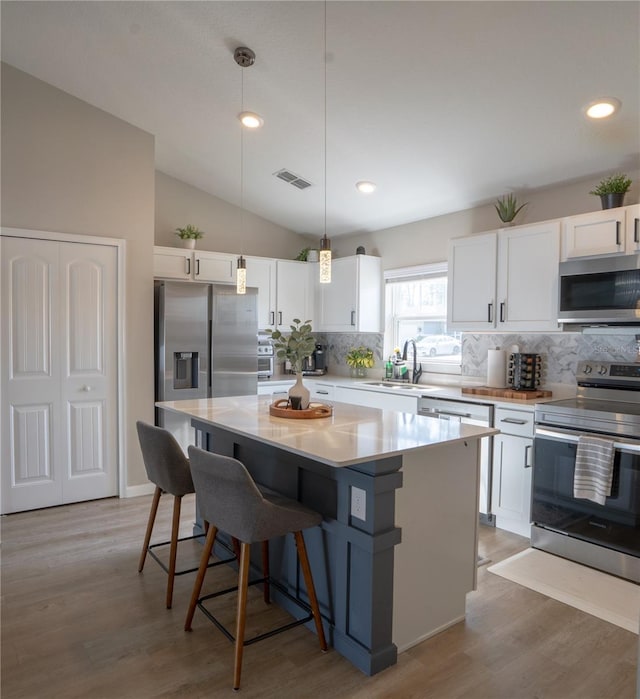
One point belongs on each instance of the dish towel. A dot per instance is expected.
(594, 469)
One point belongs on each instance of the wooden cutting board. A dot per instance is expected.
(506, 393)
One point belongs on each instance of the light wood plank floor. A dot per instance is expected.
(79, 621)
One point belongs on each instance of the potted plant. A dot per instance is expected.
(508, 208)
(188, 235)
(307, 255)
(295, 348)
(611, 191)
(360, 359)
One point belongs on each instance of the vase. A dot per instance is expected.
(612, 200)
(299, 393)
(359, 372)
(188, 243)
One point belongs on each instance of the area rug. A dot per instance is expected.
(605, 596)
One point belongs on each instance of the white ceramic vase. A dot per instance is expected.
(299, 391)
(188, 243)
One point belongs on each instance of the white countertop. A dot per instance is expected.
(432, 390)
(352, 435)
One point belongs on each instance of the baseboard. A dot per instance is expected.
(134, 491)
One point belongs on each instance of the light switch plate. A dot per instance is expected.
(358, 503)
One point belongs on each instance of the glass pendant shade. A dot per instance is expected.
(241, 276)
(325, 260)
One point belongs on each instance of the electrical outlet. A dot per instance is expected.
(358, 503)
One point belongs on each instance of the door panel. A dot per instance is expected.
(88, 382)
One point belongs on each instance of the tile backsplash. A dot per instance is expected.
(560, 351)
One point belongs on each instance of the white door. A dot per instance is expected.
(59, 373)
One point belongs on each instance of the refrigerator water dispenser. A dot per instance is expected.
(185, 370)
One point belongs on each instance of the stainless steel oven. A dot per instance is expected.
(604, 536)
(265, 357)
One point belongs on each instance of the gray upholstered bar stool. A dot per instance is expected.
(230, 500)
(168, 468)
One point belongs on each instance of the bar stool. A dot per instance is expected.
(168, 468)
(230, 500)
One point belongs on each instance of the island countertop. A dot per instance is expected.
(351, 435)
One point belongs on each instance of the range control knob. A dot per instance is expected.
(587, 369)
(602, 370)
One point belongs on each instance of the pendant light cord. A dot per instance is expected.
(325, 117)
(241, 163)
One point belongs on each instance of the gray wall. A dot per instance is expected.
(69, 167)
(178, 204)
(427, 241)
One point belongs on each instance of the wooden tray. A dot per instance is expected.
(506, 393)
(281, 409)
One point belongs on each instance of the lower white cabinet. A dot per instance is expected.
(320, 391)
(512, 453)
(277, 389)
(374, 399)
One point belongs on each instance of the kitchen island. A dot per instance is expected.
(396, 552)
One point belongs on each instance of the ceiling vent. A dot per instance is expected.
(293, 179)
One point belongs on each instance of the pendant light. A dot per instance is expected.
(325, 244)
(245, 58)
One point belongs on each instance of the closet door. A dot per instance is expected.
(59, 407)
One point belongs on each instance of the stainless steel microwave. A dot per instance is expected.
(600, 290)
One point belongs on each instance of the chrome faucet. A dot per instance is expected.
(417, 368)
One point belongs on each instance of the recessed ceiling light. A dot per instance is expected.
(251, 120)
(602, 108)
(366, 187)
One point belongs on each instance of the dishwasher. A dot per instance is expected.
(480, 414)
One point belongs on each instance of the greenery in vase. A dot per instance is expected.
(616, 184)
(508, 208)
(360, 357)
(189, 232)
(296, 346)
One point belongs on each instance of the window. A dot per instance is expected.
(416, 309)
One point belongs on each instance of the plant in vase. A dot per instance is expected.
(188, 235)
(360, 359)
(295, 348)
(611, 191)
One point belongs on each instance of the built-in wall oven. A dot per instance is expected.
(604, 536)
(480, 414)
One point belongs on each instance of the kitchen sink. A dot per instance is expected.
(401, 386)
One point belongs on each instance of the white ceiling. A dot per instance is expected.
(445, 105)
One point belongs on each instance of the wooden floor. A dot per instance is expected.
(79, 621)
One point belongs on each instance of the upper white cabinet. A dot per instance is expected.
(471, 293)
(596, 233)
(527, 280)
(352, 302)
(285, 291)
(633, 228)
(194, 265)
(506, 279)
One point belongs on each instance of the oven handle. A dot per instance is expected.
(573, 437)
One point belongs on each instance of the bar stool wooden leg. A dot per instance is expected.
(202, 570)
(265, 571)
(241, 616)
(173, 551)
(311, 590)
(236, 547)
(152, 518)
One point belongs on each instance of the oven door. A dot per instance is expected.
(616, 524)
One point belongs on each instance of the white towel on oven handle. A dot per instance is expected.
(593, 473)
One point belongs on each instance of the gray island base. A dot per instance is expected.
(398, 572)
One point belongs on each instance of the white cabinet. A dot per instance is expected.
(506, 279)
(320, 391)
(193, 265)
(352, 302)
(285, 291)
(595, 233)
(472, 282)
(277, 389)
(632, 225)
(511, 490)
(375, 399)
(527, 280)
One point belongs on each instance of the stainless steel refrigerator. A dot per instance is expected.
(205, 346)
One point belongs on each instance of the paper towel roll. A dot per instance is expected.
(497, 368)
